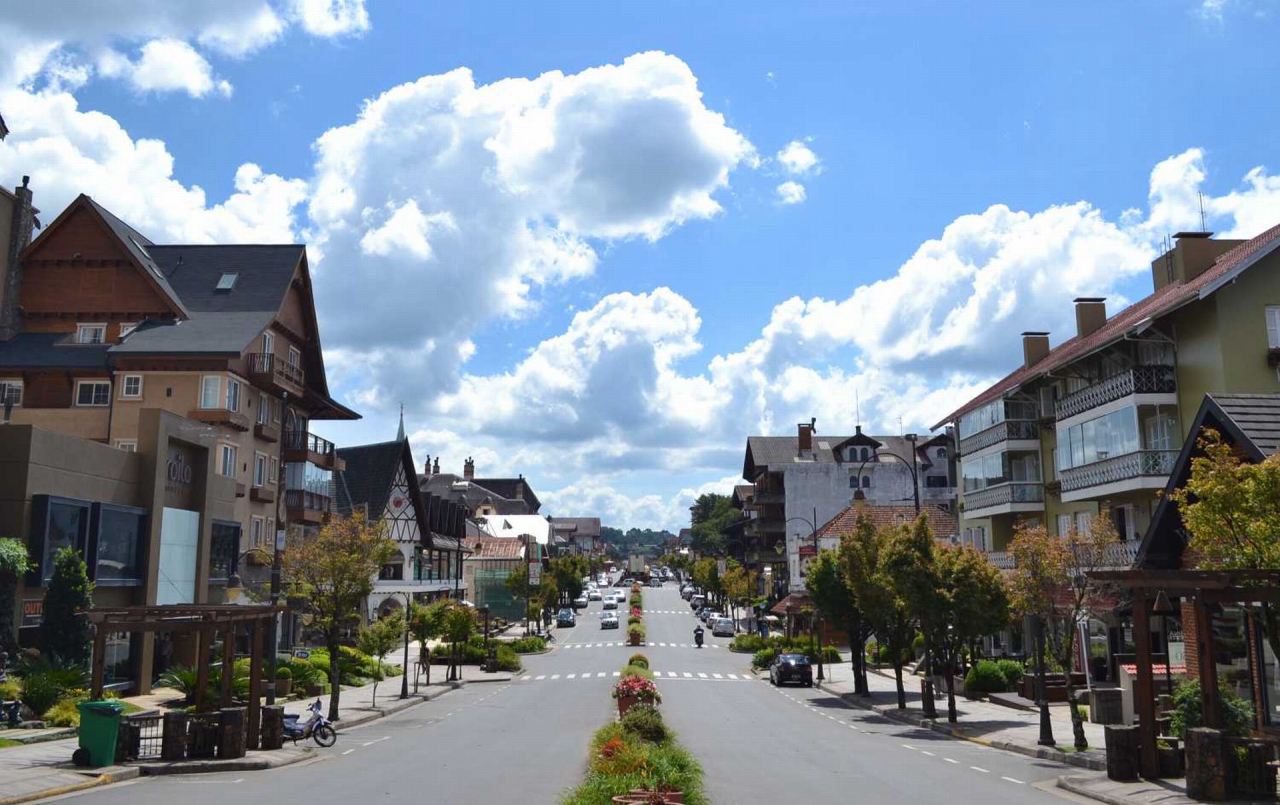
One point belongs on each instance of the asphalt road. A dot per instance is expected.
(525, 741)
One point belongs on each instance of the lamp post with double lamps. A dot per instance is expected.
(813, 531)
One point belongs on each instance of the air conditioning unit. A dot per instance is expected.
(1046, 403)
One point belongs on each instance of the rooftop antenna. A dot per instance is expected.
(857, 408)
(1203, 226)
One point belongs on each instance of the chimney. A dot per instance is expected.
(805, 431)
(1091, 313)
(1191, 255)
(1034, 347)
(426, 468)
(435, 468)
(469, 469)
(24, 219)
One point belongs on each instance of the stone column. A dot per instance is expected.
(1122, 752)
(272, 734)
(173, 738)
(1206, 764)
(1106, 706)
(232, 732)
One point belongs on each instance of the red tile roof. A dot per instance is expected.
(941, 521)
(1163, 301)
(493, 547)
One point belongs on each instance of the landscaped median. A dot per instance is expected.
(635, 620)
(637, 759)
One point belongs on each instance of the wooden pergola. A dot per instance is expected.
(206, 620)
(1201, 588)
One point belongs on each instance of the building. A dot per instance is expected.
(800, 482)
(489, 561)
(1095, 424)
(481, 496)
(99, 324)
(579, 535)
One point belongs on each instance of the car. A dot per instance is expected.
(687, 592)
(608, 620)
(697, 602)
(710, 617)
(594, 595)
(610, 603)
(702, 612)
(620, 594)
(723, 628)
(655, 582)
(791, 668)
(565, 617)
(580, 602)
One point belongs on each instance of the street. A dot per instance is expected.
(527, 740)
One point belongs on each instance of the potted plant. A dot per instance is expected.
(635, 633)
(284, 680)
(633, 690)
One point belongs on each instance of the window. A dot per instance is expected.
(233, 395)
(1084, 524)
(120, 534)
(127, 327)
(62, 523)
(264, 416)
(91, 333)
(275, 470)
(210, 391)
(127, 445)
(93, 393)
(224, 550)
(1100, 438)
(935, 482)
(980, 537)
(866, 482)
(1273, 326)
(132, 386)
(227, 281)
(295, 357)
(968, 537)
(268, 343)
(259, 469)
(227, 466)
(10, 392)
(255, 533)
(942, 452)
(270, 532)
(1160, 432)
(1064, 524)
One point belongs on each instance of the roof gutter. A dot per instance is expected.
(1230, 276)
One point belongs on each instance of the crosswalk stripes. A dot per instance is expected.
(697, 676)
(648, 645)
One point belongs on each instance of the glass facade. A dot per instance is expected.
(999, 468)
(993, 413)
(67, 527)
(1100, 438)
(307, 477)
(122, 533)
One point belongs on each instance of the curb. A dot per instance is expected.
(214, 766)
(1068, 783)
(120, 775)
(69, 732)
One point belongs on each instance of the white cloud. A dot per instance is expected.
(1212, 9)
(798, 159)
(166, 65)
(406, 230)
(791, 193)
(622, 510)
(332, 17)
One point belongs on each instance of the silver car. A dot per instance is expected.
(722, 628)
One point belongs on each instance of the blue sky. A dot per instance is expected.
(600, 300)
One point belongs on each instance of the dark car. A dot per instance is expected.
(791, 668)
(566, 618)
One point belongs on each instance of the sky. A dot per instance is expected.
(600, 244)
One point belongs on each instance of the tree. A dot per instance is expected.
(909, 565)
(861, 553)
(426, 623)
(540, 597)
(332, 570)
(706, 574)
(13, 563)
(828, 584)
(1051, 580)
(973, 603)
(64, 632)
(709, 515)
(380, 638)
(458, 623)
(568, 572)
(739, 586)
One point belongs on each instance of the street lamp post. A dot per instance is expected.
(483, 609)
(408, 613)
(813, 530)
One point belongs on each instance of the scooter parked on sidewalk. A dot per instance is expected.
(317, 727)
(697, 636)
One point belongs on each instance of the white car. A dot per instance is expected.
(608, 620)
(594, 595)
(609, 603)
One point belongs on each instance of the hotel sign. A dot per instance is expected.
(180, 476)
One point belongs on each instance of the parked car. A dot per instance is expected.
(723, 628)
(697, 602)
(610, 603)
(565, 617)
(701, 613)
(594, 595)
(608, 620)
(620, 594)
(580, 602)
(687, 592)
(655, 582)
(710, 617)
(791, 668)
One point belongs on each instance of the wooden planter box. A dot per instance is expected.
(633, 639)
(625, 703)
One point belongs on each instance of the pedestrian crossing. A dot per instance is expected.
(643, 644)
(659, 676)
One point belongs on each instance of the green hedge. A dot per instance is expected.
(622, 760)
(765, 657)
(983, 678)
(530, 644)
(1012, 671)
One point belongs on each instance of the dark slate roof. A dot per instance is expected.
(4, 130)
(577, 526)
(475, 493)
(210, 333)
(264, 275)
(371, 469)
(763, 451)
(1257, 416)
(140, 247)
(512, 489)
(51, 350)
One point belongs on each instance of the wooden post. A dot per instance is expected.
(1144, 691)
(228, 663)
(1212, 706)
(255, 682)
(99, 661)
(202, 666)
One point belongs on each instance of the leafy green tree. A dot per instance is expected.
(828, 584)
(909, 565)
(739, 585)
(568, 571)
(706, 574)
(65, 632)
(458, 625)
(426, 623)
(378, 639)
(332, 570)
(540, 597)
(973, 603)
(861, 553)
(710, 514)
(13, 563)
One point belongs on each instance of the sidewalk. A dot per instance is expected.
(1141, 792)
(39, 770)
(980, 722)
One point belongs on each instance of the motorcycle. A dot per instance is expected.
(317, 727)
(697, 636)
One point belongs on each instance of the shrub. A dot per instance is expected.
(645, 722)
(748, 643)
(64, 713)
(983, 678)
(763, 658)
(917, 644)
(9, 691)
(643, 689)
(1012, 671)
(622, 761)
(638, 659)
(40, 692)
(632, 620)
(284, 672)
(528, 645)
(303, 673)
(1237, 714)
(636, 629)
(637, 670)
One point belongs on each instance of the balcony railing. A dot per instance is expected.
(1140, 464)
(1138, 380)
(762, 526)
(1122, 555)
(1001, 560)
(1000, 432)
(307, 507)
(220, 416)
(1013, 492)
(276, 374)
(302, 446)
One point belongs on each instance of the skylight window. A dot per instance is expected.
(227, 281)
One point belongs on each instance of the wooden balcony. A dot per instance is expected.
(267, 433)
(306, 507)
(302, 446)
(220, 416)
(263, 494)
(273, 373)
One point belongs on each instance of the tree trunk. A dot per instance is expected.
(897, 675)
(335, 674)
(951, 692)
(1077, 723)
(857, 648)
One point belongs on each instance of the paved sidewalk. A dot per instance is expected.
(1141, 792)
(981, 722)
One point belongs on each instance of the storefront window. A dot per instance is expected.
(66, 526)
(121, 536)
(224, 550)
(1231, 651)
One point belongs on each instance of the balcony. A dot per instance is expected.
(271, 373)
(762, 526)
(263, 494)
(302, 446)
(761, 498)
(267, 433)
(1142, 469)
(1138, 380)
(220, 416)
(1001, 560)
(937, 493)
(1020, 496)
(1009, 430)
(306, 507)
(1116, 556)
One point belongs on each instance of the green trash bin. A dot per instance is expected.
(99, 726)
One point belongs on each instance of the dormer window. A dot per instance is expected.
(227, 281)
(91, 333)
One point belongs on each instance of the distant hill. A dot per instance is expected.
(633, 540)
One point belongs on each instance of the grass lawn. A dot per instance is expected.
(5, 743)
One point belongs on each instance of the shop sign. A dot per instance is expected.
(179, 477)
(32, 613)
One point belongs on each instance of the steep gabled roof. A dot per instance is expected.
(1162, 302)
(263, 274)
(371, 469)
(942, 522)
(202, 334)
